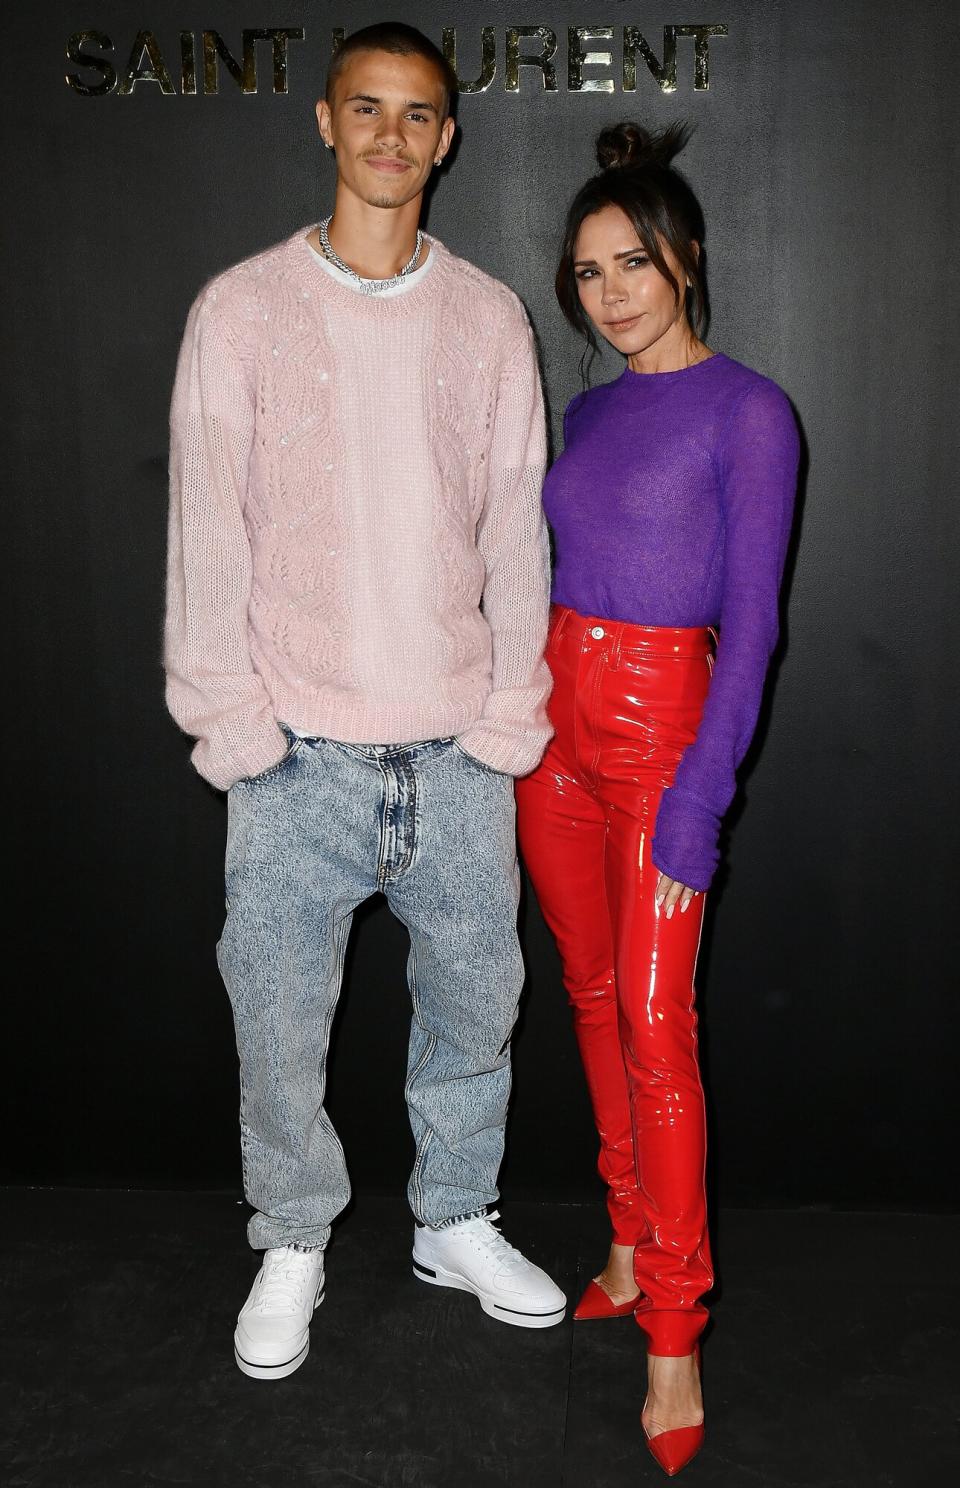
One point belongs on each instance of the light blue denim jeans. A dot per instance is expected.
(308, 841)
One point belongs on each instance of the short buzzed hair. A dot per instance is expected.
(402, 41)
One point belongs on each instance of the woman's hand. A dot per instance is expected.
(670, 893)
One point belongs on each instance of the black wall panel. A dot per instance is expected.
(826, 159)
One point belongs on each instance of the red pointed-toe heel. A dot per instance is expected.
(672, 1450)
(596, 1304)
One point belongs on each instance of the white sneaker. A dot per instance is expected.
(473, 1256)
(273, 1329)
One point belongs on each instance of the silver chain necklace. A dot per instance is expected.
(368, 286)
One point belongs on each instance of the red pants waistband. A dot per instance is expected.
(571, 628)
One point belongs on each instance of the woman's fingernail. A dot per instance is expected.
(670, 913)
(684, 906)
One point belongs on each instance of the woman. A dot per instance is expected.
(671, 508)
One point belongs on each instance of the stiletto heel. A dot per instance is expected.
(672, 1450)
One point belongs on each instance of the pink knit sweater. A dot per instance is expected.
(350, 478)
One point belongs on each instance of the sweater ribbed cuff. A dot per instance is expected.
(223, 768)
(510, 753)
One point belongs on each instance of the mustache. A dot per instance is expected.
(389, 155)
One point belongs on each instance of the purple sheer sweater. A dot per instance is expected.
(671, 505)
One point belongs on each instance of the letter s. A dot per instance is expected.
(84, 59)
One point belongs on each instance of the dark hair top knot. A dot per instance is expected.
(621, 146)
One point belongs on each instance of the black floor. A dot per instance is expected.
(832, 1362)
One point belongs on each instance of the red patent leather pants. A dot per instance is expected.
(626, 702)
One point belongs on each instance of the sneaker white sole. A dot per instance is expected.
(280, 1370)
(437, 1276)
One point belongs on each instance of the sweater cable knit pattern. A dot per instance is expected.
(356, 542)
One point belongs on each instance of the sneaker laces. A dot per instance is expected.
(483, 1233)
(282, 1281)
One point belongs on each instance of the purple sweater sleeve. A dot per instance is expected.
(757, 467)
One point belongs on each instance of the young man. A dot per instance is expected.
(357, 452)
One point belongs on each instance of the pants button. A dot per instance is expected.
(597, 632)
